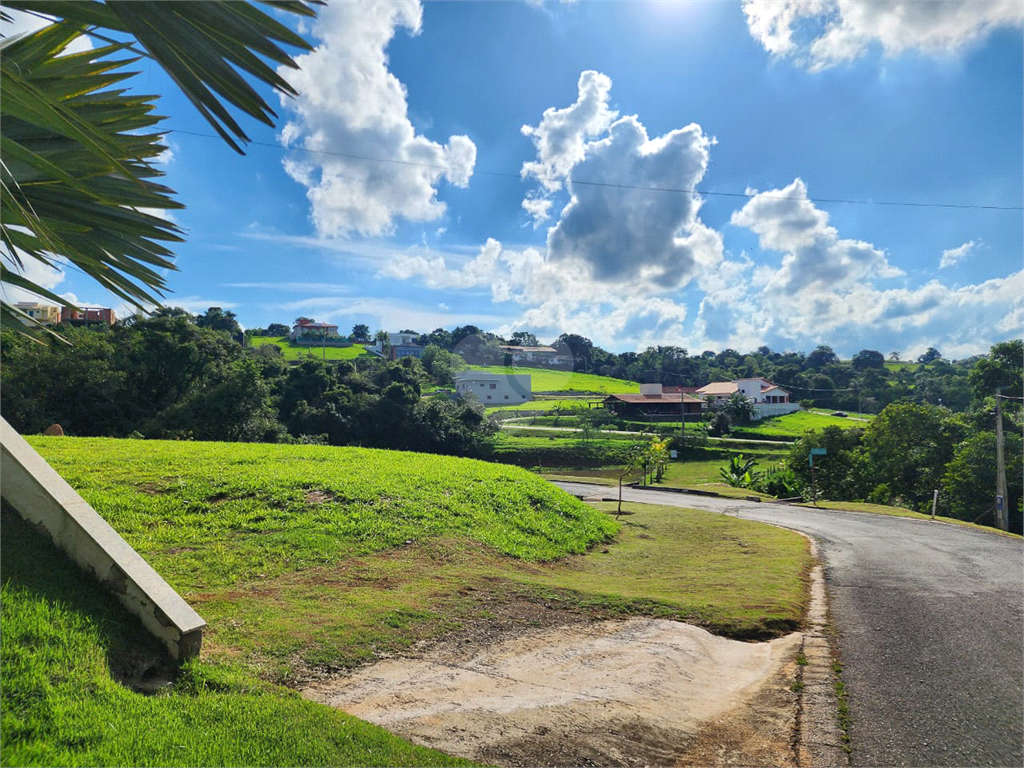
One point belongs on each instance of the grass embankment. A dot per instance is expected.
(63, 637)
(294, 352)
(547, 380)
(550, 404)
(306, 558)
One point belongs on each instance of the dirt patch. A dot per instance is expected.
(634, 692)
(318, 497)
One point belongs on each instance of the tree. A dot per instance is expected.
(739, 472)
(969, 481)
(739, 408)
(868, 358)
(908, 446)
(278, 329)
(78, 175)
(930, 356)
(1003, 367)
(524, 339)
(361, 333)
(820, 357)
(894, 356)
(581, 348)
(219, 320)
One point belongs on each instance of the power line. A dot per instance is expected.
(612, 185)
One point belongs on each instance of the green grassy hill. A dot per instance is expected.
(306, 560)
(297, 353)
(546, 380)
(794, 425)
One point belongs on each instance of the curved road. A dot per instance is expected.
(930, 621)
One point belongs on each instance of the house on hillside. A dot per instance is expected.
(654, 402)
(44, 314)
(87, 315)
(769, 399)
(306, 327)
(494, 388)
(399, 345)
(536, 355)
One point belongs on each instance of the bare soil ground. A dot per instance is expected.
(545, 688)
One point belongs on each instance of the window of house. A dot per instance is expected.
(494, 386)
(488, 397)
(506, 397)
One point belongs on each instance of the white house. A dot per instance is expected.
(545, 355)
(494, 388)
(768, 399)
(46, 314)
(308, 326)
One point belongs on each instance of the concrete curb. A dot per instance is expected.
(45, 499)
(819, 741)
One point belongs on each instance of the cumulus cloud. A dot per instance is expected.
(351, 104)
(956, 255)
(785, 220)
(626, 216)
(836, 31)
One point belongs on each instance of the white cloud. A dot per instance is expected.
(38, 272)
(351, 104)
(836, 31)
(956, 255)
(628, 216)
(815, 256)
(561, 136)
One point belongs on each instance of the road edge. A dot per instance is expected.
(820, 741)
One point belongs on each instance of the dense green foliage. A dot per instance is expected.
(64, 643)
(910, 450)
(168, 377)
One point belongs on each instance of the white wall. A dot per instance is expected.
(495, 389)
(764, 410)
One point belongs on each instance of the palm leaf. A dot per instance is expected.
(203, 45)
(75, 173)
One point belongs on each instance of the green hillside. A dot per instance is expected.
(297, 353)
(546, 380)
(307, 560)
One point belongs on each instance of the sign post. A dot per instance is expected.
(810, 459)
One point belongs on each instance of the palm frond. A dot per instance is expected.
(205, 46)
(76, 171)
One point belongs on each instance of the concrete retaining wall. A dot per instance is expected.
(44, 498)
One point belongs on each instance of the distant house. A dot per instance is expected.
(306, 327)
(769, 399)
(46, 314)
(87, 315)
(541, 355)
(400, 345)
(654, 401)
(494, 388)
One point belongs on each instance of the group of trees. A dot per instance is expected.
(175, 376)
(912, 449)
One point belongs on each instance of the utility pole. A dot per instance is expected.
(1002, 513)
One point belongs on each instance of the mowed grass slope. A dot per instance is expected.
(797, 423)
(300, 353)
(547, 380)
(62, 638)
(307, 560)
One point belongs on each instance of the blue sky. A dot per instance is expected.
(524, 166)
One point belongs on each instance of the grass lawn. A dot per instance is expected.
(796, 424)
(546, 380)
(300, 353)
(63, 636)
(313, 558)
(581, 403)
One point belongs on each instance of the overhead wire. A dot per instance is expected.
(613, 185)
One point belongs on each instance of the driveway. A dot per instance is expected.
(930, 620)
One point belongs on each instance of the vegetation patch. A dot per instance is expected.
(548, 380)
(66, 642)
(295, 352)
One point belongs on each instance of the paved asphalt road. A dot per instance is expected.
(931, 629)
